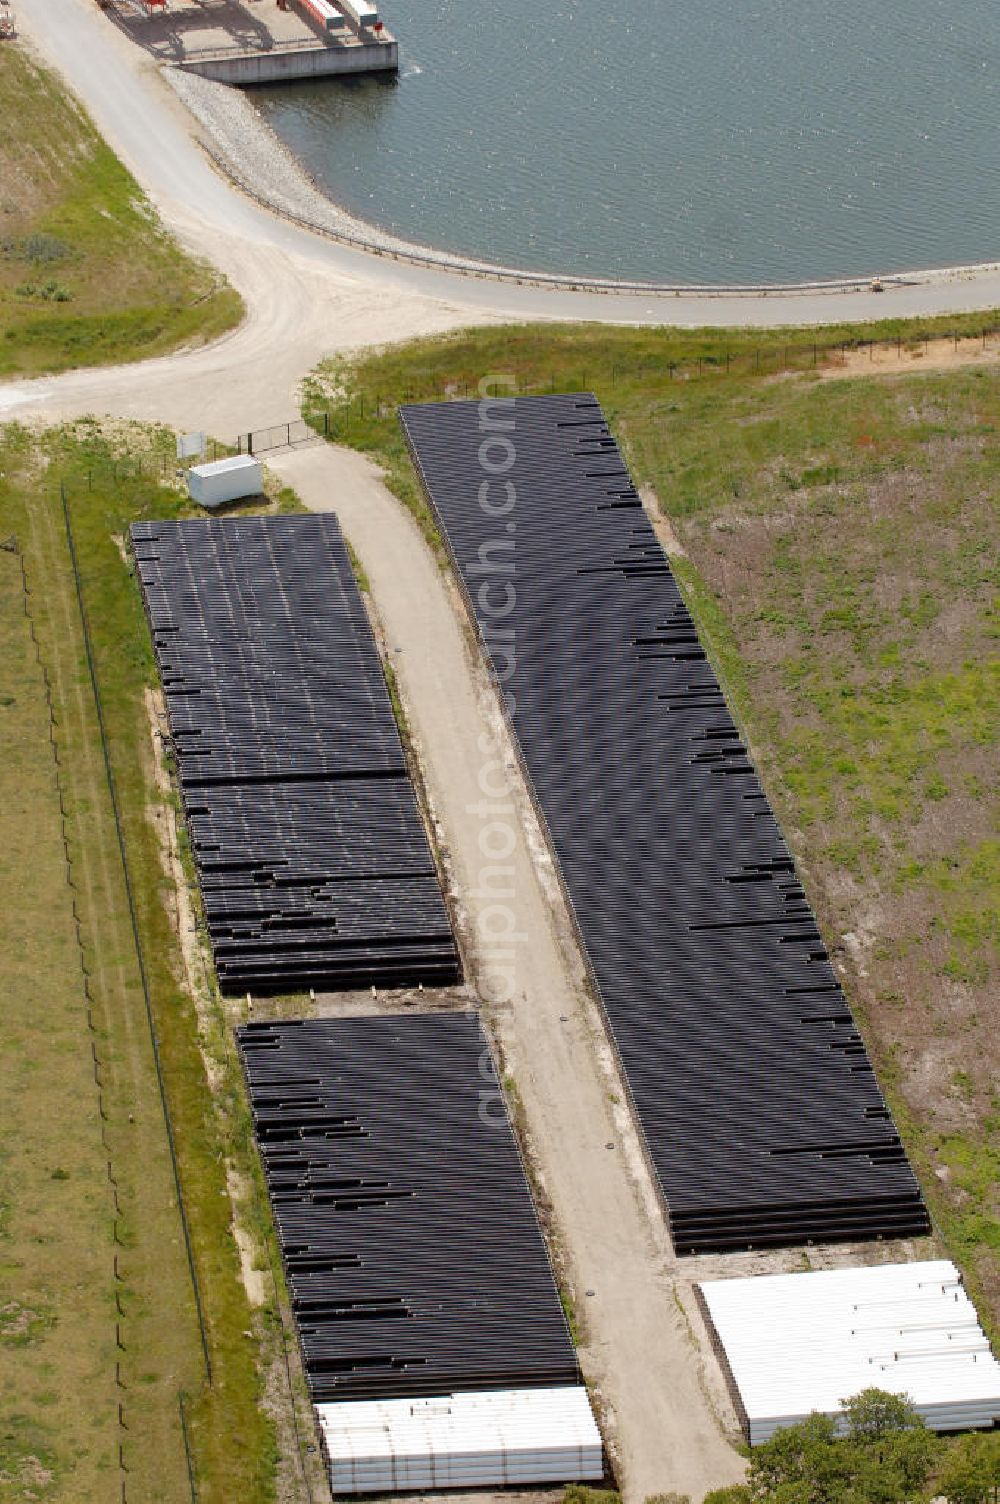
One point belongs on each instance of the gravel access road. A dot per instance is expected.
(643, 1352)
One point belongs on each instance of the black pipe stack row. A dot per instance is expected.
(760, 1110)
(313, 859)
(412, 1253)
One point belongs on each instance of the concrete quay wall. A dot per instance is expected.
(280, 65)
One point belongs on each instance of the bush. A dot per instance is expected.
(578, 1493)
(34, 248)
(40, 247)
(51, 291)
(886, 1457)
(971, 1474)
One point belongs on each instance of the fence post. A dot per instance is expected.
(187, 1450)
(250, 442)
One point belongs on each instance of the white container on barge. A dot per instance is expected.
(364, 15)
(328, 16)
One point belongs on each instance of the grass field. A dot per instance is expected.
(57, 1212)
(101, 1306)
(88, 275)
(841, 552)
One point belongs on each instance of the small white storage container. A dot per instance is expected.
(363, 14)
(326, 14)
(225, 480)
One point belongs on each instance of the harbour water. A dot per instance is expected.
(719, 141)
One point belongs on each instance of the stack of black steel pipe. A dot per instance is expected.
(757, 1100)
(313, 859)
(413, 1256)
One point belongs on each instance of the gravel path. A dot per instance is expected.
(643, 1348)
(247, 149)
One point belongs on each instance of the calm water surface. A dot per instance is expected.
(707, 142)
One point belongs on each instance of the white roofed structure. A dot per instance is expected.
(796, 1343)
(478, 1439)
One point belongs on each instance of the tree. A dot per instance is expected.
(803, 1461)
(893, 1450)
(895, 1469)
(874, 1414)
(971, 1473)
(737, 1493)
(885, 1456)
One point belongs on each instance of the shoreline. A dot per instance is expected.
(246, 149)
(312, 281)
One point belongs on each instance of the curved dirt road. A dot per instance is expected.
(307, 296)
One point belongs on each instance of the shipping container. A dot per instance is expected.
(361, 13)
(225, 480)
(328, 16)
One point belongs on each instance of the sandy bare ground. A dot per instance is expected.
(659, 1392)
(914, 360)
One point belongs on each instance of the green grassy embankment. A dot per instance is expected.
(88, 275)
(840, 552)
(98, 1310)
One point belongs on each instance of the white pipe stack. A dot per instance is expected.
(796, 1343)
(481, 1439)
